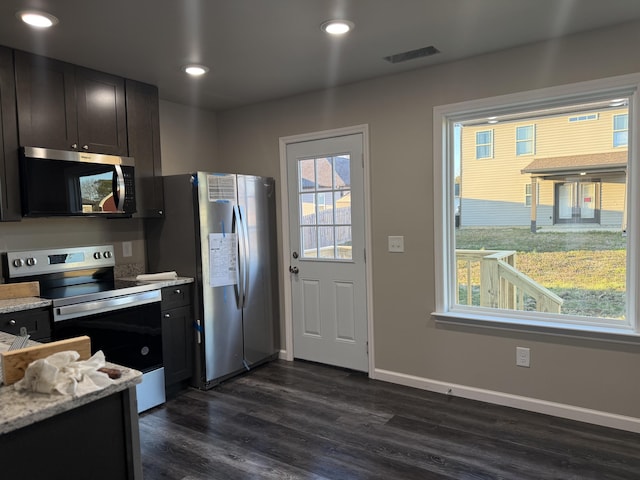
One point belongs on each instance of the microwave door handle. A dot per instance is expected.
(120, 189)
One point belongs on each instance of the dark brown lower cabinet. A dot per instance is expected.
(177, 337)
(99, 440)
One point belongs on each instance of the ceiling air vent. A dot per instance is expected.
(411, 54)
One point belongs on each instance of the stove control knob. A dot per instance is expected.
(107, 254)
(31, 261)
(18, 262)
(97, 255)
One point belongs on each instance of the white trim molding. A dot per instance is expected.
(570, 412)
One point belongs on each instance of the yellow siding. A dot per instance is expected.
(499, 179)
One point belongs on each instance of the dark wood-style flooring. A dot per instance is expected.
(297, 420)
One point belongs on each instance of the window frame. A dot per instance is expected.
(527, 186)
(620, 130)
(490, 144)
(444, 117)
(531, 140)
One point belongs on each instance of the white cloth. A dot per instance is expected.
(62, 372)
(152, 277)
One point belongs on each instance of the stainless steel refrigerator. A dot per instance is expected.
(221, 230)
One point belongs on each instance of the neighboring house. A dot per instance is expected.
(540, 171)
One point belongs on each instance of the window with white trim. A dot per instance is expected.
(527, 194)
(484, 144)
(566, 262)
(525, 140)
(620, 130)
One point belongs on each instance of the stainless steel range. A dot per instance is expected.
(122, 318)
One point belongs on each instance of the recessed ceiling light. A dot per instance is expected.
(195, 70)
(37, 19)
(337, 27)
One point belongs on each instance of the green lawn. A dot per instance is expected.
(586, 269)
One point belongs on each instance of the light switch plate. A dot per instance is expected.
(396, 243)
(127, 250)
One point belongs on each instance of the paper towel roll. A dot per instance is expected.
(154, 277)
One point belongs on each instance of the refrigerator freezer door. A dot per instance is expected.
(222, 321)
(256, 201)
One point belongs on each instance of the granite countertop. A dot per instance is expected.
(19, 304)
(19, 409)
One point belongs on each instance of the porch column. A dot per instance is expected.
(534, 203)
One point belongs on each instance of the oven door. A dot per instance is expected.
(129, 334)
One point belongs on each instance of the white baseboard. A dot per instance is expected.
(283, 355)
(571, 412)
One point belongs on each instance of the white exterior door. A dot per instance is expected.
(327, 251)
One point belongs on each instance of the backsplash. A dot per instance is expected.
(129, 270)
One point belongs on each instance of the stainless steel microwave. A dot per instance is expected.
(67, 183)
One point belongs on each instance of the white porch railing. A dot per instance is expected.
(500, 285)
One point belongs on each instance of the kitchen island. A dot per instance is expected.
(94, 435)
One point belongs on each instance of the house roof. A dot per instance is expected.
(593, 162)
(324, 172)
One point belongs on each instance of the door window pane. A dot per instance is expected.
(325, 201)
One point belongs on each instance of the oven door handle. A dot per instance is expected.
(107, 305)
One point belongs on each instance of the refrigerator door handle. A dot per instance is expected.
(237, 229)
(245, 256)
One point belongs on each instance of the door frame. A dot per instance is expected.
(287, 353)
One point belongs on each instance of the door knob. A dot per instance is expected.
(293, 269)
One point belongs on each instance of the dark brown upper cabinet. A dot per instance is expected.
(9, 184)
(68, 107)
(143, 128)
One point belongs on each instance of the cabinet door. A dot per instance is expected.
(102, 116)
(36, 323)
(143, 128)
(177, 344)
(9, 180)
(46, 99)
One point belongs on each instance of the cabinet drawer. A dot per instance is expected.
(176, 296)
(37, 322)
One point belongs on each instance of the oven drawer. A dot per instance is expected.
(176, 296)
(37, 323)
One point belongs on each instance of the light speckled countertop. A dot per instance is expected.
(19, 409)
(19, 304)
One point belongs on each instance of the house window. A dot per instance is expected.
(620, 130)
(527, 194)
(524, 266)
(484, 144)
(583, 118)
(525, 140)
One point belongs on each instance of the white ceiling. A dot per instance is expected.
(265, 49)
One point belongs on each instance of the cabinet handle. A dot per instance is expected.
(167, 315)
(85, 147)
(74, 146)
(12, 322)
(177, 291)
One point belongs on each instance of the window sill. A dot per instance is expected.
(586, 332)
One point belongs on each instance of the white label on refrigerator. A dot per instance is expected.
(221, 188)
(223, 259)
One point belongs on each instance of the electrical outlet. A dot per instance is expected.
(523, 357)
(396, 243)
(127, 249)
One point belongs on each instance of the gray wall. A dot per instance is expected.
(187, 138)
(398, 110)
(36, 233)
